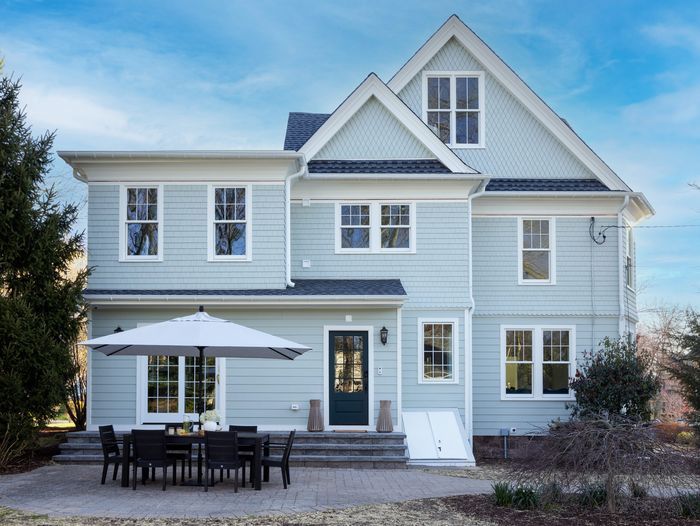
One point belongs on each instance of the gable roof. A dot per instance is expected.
(301, 126)
(372, 86)
(378, 166)
(455, 28)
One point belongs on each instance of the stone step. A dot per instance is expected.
(338, 461)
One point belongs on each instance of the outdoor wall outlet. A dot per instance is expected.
(306, 202)
(348, 318)
(294, 407)
(306, 263)
(380, 371)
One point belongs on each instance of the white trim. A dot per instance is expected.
(630, 274)
(375, 228)
(211, 257)
(479, 75)
(88, 409)
(552, 252)
(370, 375)
(373, 86)
(248, 301)
(123, 258)
(537, 356)
(455, 350)
(399, 369)
(454, 27)
(468, 376)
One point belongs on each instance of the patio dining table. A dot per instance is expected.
(259, 441)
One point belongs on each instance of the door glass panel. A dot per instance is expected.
(192, 383)
(349, 367)
(162, 390)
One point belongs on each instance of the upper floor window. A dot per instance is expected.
(537, 362)
(453, 105)
(229, 223)
(629, 250)
(536, 259)
(142, 213)
(438, 352)
(375, 227)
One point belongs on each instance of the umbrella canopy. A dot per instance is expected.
(187, 335)
(201, 336)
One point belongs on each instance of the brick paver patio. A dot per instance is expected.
(75, 490)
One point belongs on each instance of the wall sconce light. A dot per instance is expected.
(383, 335)
(118, 329)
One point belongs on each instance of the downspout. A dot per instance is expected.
(620, 265)
(288, 220)
(468, 375)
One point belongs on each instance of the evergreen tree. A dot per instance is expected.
(685, 365)
(41, 309)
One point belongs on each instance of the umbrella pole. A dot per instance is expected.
(200, 379)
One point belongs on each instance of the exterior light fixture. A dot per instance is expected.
(118, 329)
(383, 335)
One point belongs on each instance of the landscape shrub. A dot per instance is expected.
(637, 490)
(502, 494)
(593, 495)
(685, 437)
(525, 498)
(689, 505)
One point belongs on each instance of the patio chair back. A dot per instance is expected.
(149, 445)
(221, 447)
(244, 429)
(110, 447)
(288, 448)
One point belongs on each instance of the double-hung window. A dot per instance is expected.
(536, 247)
(384, 227)
(453, 107)
(229, 223)
(537, 362)
(438, 358)
(142, 214)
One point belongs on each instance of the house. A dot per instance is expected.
(436, 240)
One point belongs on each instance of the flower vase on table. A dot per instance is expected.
(210, 420)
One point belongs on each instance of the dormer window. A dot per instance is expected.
(453, 107)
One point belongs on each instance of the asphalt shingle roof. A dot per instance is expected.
(303, 287)
(301, 126)
(546, 185)
(380, 166)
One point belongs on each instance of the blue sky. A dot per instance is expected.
(223, 75)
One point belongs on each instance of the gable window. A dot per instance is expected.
(453, 107)
(141, 212)
(375, 227)
(536, 259)
(229, 223)
(438, 351)
(354, 226)
(629, 250)
(537, 362)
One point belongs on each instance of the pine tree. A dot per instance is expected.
(685, 365)
(41, 308)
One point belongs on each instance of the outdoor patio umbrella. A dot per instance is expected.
(199, 335)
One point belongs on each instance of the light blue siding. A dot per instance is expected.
(516, 143)
(184, 243)
(374, 133)
(257, 391)
(435, 277)
(630, 294)
(587, 275)
(490, 412)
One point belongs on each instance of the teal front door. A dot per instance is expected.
(348, 400)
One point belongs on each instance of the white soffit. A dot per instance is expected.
(454, 27)
(373, 86)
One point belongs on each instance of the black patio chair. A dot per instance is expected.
(221, 448)
(283, 461)
(110, 450)
(150, 452)
(245, 452)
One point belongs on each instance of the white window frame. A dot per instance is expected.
(123, 257)
(629, 257)
(552, 251)
(375, 232)
(455, 350)
(537, 361)
(211, 231)
(453, 84)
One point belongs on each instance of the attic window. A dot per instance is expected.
(453, 107)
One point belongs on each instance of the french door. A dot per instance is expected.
(170, 387)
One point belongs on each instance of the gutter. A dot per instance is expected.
(621, 266)
(288, 219)
(393, 176)
(164, 155)
(187, 299)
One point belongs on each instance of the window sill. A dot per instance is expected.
(530, 283)
(466, 146)
(438, 382)
(526, 398)
(141, 260)
(375, 252)
(232, 259)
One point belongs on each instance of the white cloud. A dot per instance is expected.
(682, 35)
(676, 113)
